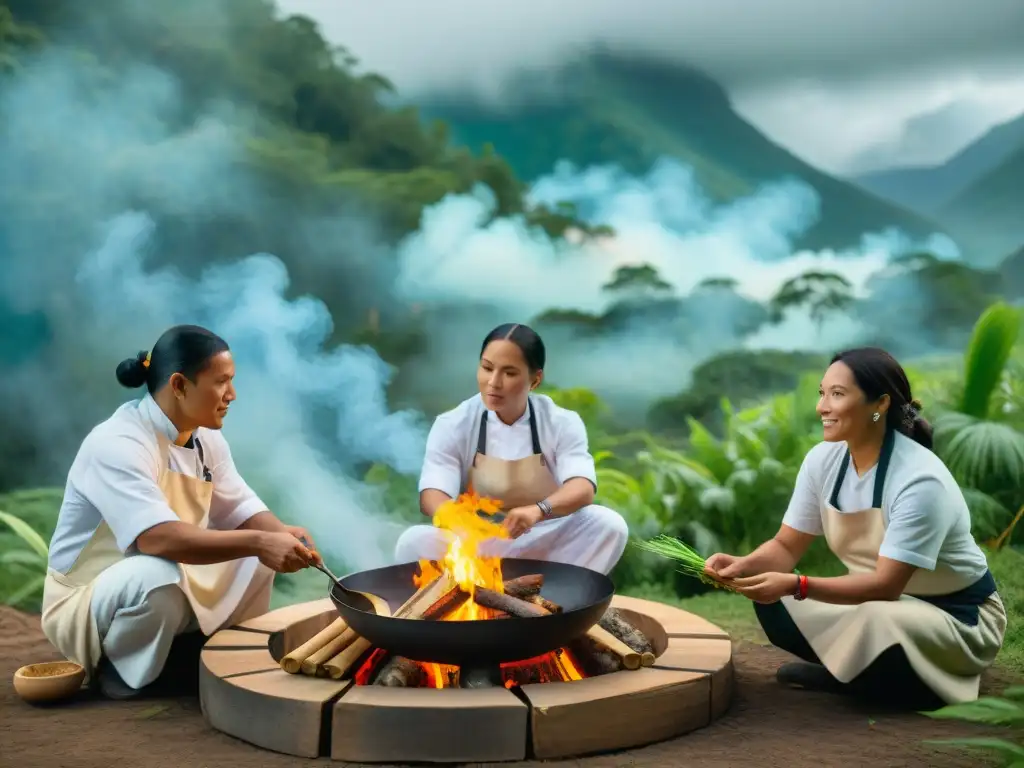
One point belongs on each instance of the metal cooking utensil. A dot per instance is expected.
(376, 604)
(365, 600)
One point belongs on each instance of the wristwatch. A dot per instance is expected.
(545, 509)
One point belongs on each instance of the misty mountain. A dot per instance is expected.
(612, 109)
(931, 189)
(1011, 271)
(989, 213)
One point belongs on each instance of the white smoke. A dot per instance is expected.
(665, 219)
(283, 372)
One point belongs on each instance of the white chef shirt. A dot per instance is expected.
(452, 443)
(114, 479)
(927, 519)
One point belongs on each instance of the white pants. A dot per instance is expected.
(593, 537)
(139, 608)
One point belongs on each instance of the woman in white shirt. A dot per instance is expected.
(917, 618)
(158, 535)
(524, 450)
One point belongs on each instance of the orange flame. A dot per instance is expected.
(462, 561)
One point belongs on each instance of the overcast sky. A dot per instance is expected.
(847, 85)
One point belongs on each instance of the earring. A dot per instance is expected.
(876, 417)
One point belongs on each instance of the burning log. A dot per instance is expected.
(594, 658)
(614, 622)
(524, 586)
(447, 603)
(426, 597)
(292, 661)
(546, 604)
(515, 606)
(400, 672)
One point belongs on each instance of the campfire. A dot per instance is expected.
(467, 585)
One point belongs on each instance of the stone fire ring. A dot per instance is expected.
(245, 693)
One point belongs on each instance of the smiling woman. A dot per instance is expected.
(158, 535)
(917, 618)
(525, 451)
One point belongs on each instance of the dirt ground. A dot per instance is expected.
(767, 726)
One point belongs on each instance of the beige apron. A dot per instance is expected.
(516, 483)
(214, 591)
(946, 653)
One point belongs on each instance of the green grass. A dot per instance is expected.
(1008, 568)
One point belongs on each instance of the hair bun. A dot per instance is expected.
(916, 405)
(133, 371)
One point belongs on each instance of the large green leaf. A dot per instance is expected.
(989, 710)
(991, 343)
(25, 533)
(984, 455)
(989, 518)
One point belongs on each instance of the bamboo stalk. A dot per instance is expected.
(313, 664)
(292, 662)
(339, 665)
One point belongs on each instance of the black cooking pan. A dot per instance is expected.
(583, 594)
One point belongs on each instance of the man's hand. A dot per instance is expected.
(284, 552)
(521, 519)
(302, 535)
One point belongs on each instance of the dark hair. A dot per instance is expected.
(877, 373)
(184, 349)
(524, 337)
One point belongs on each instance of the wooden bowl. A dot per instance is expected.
(49, 681)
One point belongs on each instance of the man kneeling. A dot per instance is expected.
(158, 535)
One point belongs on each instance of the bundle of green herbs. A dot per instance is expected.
(689, 561)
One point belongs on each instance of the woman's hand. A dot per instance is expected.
(725, 566)
(521, 519)
(767, 587)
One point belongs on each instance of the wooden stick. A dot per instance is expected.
(292, 662)
(488, 598)
(312, 665)
(447, 603)
(524, 586)
(340, 665)
(614, 622)
(630, 658)
(400, 672)
(544, 603)
(593, 657)
(425, 596)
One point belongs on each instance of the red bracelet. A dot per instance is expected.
(801, 587)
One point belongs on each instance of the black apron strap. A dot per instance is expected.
(880, 472)
(481, 440)
(193, 442)
(883, 467)
(533, 428)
